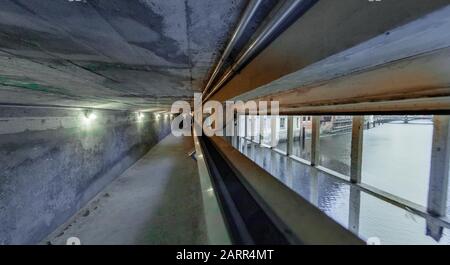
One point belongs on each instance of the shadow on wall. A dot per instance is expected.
(52, 162)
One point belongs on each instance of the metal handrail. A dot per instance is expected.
(284, 14)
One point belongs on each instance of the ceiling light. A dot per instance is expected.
(89, 117)
(140, 116)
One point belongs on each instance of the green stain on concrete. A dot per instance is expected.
(36, 87)
(30, 85)
(114, 66)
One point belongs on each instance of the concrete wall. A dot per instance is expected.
(120, 54)
(329, 27)
(406, 69)
(52, 162)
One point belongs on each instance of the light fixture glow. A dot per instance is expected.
(92, 117)
(89, 117)
(140, 116)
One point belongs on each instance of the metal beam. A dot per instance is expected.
(315, 140)
(290, 135)
(397, 38)
(356, 149)
(236, 130)
(408, 63)
(245, 126)
(261, 129)
(439, 170)
(239, 129)
(430, 105)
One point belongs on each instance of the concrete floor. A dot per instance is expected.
(156, 201)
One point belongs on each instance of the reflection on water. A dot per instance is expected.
(392, 224)
(360, 212)
(396, 159)
(334, 152)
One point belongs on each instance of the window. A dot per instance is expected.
(242, 145)
(266, 130)
(391, 224)
(281, 133)
(283, 123)
(257, 124)
(335, 143)
(249, 125)
(302, 138)
(396, 155)
(396, 160)
(241, 126)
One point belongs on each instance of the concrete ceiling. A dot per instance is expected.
(114, 54)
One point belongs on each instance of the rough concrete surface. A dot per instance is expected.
(117, 54)
(156, 201)
(329, 27)
(410, 61)
(46, 175)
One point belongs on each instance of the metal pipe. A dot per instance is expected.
(284, 14)
(243, 23)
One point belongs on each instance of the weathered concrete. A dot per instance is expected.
(110, 53)
(411, 62)
(328, 28)
(48, 173)
(156, 201)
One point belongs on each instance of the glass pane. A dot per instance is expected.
(393, 225)
(281, 132)
(249, 127)
(252, 127)
(362, 213)
(396, 155)
(256, 133)
(266, 137)
(242, 146)
(241, 126)
(302, 137)
(335, 143)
